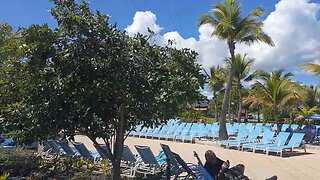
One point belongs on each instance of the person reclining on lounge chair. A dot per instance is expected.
(219, 169)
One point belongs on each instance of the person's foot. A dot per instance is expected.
(273, 178)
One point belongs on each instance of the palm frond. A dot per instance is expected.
(206, 19)
(230, 25)
(312, 67)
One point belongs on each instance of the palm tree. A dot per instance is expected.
(242, 70)
(216, 84)
(304, 112)
(275, 91)
(313, 96)
(312, 67)
(229, 25)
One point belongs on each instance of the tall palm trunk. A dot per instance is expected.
(118, 149)
(258, 114)
(230, 114)
(215, 108)
(276, 118)
(239, 102)
(222, 129)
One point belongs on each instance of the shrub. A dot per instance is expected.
(17, 162)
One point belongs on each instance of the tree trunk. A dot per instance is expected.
(118, 148)
(258, 114)
(239, 101)
(245, 115)
(275, 114)
(229, 108)
(222, 129)
(215, 109)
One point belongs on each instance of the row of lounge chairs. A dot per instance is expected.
(268, 143)
(187, 132)
(144, 163)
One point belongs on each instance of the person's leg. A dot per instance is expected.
(239, 168)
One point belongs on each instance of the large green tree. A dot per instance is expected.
(229, 25)
(242, 73)
(90, 77)
(276, 91)
(13, 84)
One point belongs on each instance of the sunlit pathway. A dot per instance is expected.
(258, 165)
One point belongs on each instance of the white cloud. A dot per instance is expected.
(211, 50)
(141, 22)
(295, 31)
(293, 26)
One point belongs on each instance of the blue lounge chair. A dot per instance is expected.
(152, 131)
(236, 126)
(267, 137)
(146, 131)
(295, 142)
(249, 128)
(176, 170)
(168, 131)
(161, 132)
(185, 132)
(267, 128)
(240, 136)
(102, 150)
(251, 138)
(130, 162)
(67, 149)
(136, 130)
(214, 131)
(150, 165)
(195, 132)
(176, 132)
(202, 130)
(280, 140)
(241, 126)
(294, 126)
(54, 146)
(275, 127)
(191, 169)
(232, 130)
(259, 128)
(84, 152)
(284, 127)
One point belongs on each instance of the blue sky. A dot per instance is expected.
(293, 24)
(175, 15)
